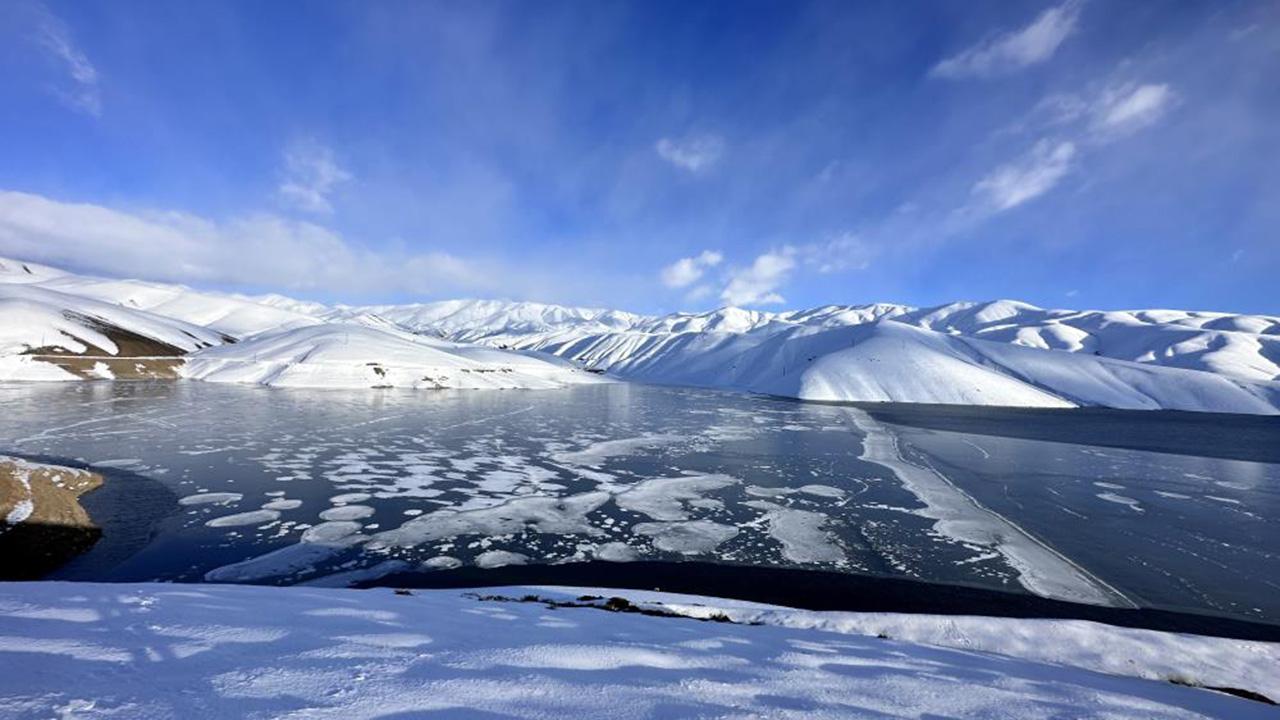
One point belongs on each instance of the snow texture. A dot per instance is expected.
(93, 651)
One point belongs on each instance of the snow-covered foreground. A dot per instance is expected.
(162, 651)
(991, 353)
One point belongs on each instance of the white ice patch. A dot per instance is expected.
(347, 512)
(595, 454)
(1121, 500)
(664, 498)
(354, 497)
(801, 533)
(283, 504)
(687, 538)
(253, 517)
(615, 552)
(499, 558)
(317, 545)
(441, 562)
(822, 491)
(546, 515)
(212, 498)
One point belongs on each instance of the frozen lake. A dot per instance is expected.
(249, 484)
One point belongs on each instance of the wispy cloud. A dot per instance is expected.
(840, 252)
(1128, 108)
(81, 91)
(757, 284)
(694, 154)
(687, 271)
(1073, 125)
(1028, 177)
(311, 173)
(254, 251)
(1011, 51)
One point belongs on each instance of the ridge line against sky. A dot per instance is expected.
(652, 156)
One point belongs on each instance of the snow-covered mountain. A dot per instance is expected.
(60, 326)
(1002, 352)
(353, 355)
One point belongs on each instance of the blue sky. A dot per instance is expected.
(652, 156)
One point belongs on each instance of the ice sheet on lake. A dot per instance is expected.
(1040, 569)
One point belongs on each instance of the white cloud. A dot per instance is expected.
(845, 251)
(256, 251)
(687, 271)
(1029, 177)
(758, 283)
(83, 93)
(1011, 51)
(1126, 109)
(695, 153)
(310, 175)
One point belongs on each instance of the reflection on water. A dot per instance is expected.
(285, 486)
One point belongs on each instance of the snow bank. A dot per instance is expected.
(150, 650)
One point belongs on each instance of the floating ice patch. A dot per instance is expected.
(596, 453)
(769, 492)
(1173, 495)
(347, 512)
(213, 498)
(355, 497)
(664, 498)
(687, 538)
(441, 562)
(283, 504)
(800, 532)
(499, 558)
(336, 532)
(614, 552)
(822, 491)
(546, 515)
(253, 517)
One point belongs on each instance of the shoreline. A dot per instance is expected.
(822, 590)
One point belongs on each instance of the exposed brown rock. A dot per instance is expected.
(42, 524)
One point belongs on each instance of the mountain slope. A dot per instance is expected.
(347, 355)
(1001, 352)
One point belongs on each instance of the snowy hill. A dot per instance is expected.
(50, 335)
(995, 353)
(352, 355)
(1001, 352)
(218, 651)
(231, 315)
